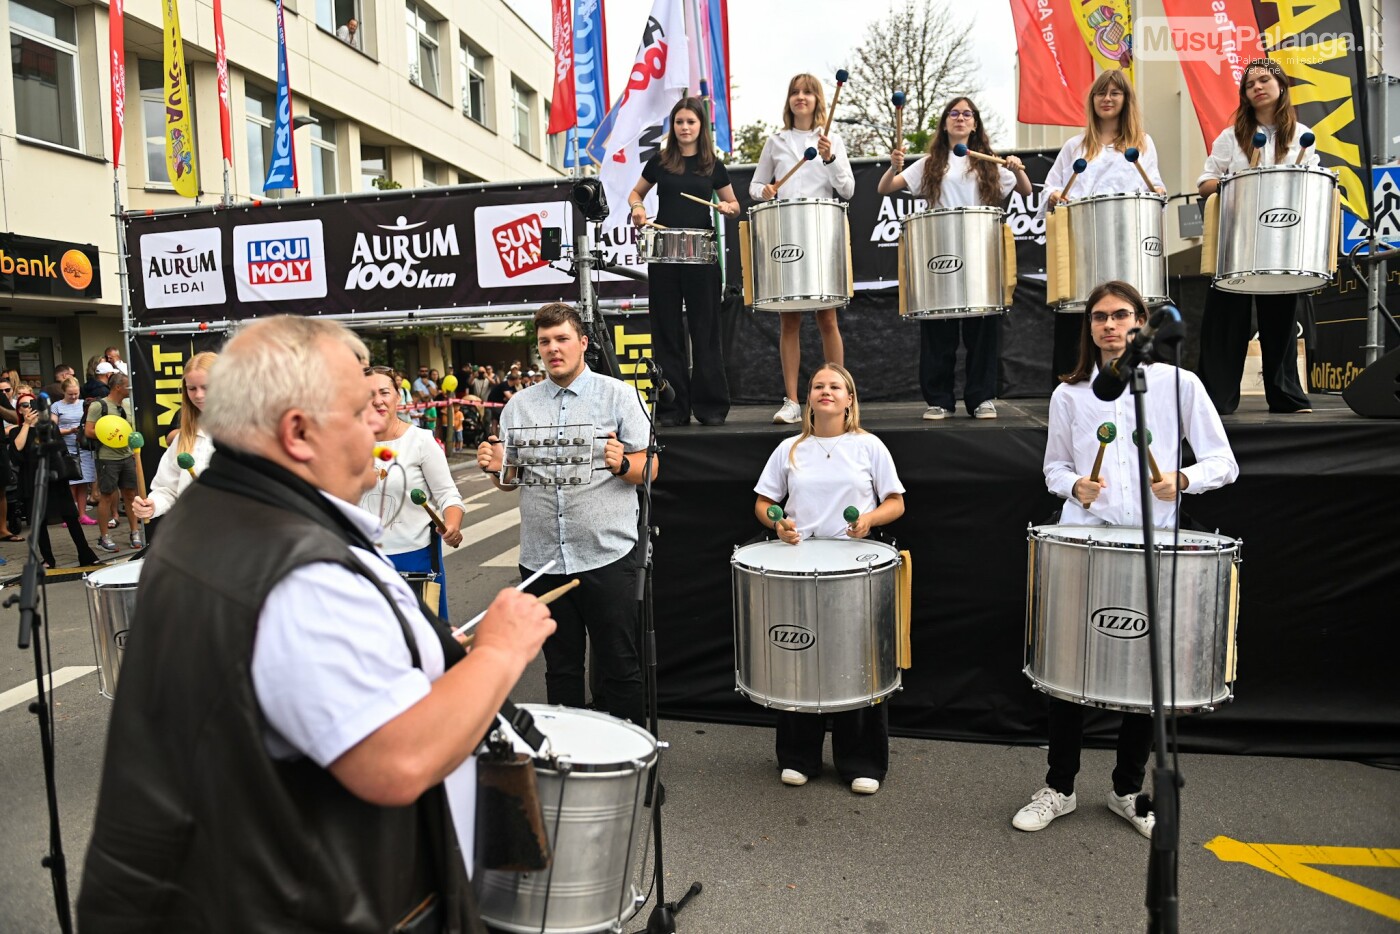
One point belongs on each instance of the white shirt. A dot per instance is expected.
(330, 664)
(859, 472)
(406, 526)
(785, 149)
(1226, 157)
(170, 480)
(959, 189)
(1108, 174)
(1072, 445)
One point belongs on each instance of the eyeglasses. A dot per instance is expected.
(1111, 92)
(962, 113)
(379, 371)
(1101, 317)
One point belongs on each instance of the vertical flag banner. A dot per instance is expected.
(221, 69)
(282, 173)
(633, 129)
(1214, 40)
(179, 135)
(719, 74)
(563, 112)
(1107, 28)
(1056, 69)
(590, 77)
(116, 43)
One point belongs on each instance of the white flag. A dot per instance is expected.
(634, 128)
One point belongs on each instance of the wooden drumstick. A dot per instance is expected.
(898, 99)
(807, 156)
(841, 76)
(1259, 140)
(656, 225)
(1151, 461)
(1304, 144)
(1079, 166)
(466, 638)
(961, 150)
(421, 499)
(709, 204)
(1131, 155)
(1106, 433)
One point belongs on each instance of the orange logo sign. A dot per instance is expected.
(76, 269)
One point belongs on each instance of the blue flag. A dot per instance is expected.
(282, 171)
(719, 74)
(590, 77)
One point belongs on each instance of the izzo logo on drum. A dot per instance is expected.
(1152, 246)
(1279, 217)
(787, 253)
(1119, 622)
(944, 264)
(119, 638)
(792, 638)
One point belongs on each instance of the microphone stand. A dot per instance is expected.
(663, 916)
(29, 618)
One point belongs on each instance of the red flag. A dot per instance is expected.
(1214, 40)
(563, 110)
(1056, 69)
(116, 42)
(221, 69)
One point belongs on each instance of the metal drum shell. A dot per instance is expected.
(954, 263)
(801, 254)
(848, 616)
(1077, 652)
(1275, 233)
(593, 835)
(684, 245)
(111, 596)
(417, 580)
(1116, 237)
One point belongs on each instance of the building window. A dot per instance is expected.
(554, 142)
(323, 163)
(260, 114)
(374, 166)
(422, 47)
(473, 66)
(522, 101)
(467, 178)
(335, 16)
(44, 63)
(434, 174)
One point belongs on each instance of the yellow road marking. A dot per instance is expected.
(1296, 862)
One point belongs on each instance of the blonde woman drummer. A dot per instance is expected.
(803, 116)
(1113, 125)
(1264, 107)
(190, 438)
(945, 179)
(814, 476)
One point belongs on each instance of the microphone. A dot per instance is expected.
(1163, 327)
(421, 499)
(664, 390)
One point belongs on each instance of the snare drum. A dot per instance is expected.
(952, 263)
(590, 787)
(1086, 617)
(1279, 228)
(111, 594)
(1113, 237)
(801, 255)
(815, 623)
(676, 245)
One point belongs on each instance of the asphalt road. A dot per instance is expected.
(933, 851)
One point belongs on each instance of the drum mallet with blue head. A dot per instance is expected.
(1304, 144)
(1106, 433)
(1132, 155)
(841, 76)
(421, 499)
(1079, 166)
(1151, 461)
(897, 99)
(1259, 140)
(961, 150)
(186, 462)
(807, 157)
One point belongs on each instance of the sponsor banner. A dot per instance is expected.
(1213, 40)
(590, 77)
(116, 50)
(35, 266)
(1107, 28)
(180, 162)
(1056, 69)
(563, 112)
(282, 172)
(1337, 352)
(179, 269)
(157, 370)
(275, 262)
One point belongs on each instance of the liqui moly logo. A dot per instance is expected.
(286, 259)
(518, 244)
(279, 262)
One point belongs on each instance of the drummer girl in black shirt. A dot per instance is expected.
(687, 164)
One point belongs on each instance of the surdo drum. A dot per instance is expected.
(676, 245)
(111, 594)
(1278, 229)
(1090, 241)
(1086, 617)
(797, 255)
(952, 263)
(815, 623)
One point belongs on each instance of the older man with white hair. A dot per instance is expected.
(290, 728)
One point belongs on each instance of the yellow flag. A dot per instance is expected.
(1107, 28)
(179, 137)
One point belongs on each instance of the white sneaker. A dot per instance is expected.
(1126, 808)
(1046, 805)
(985, 410)
(793, 777)
(865, 786)
(789, 414)
(935, 412)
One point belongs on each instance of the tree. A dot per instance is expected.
(748, 142)
(916, 48)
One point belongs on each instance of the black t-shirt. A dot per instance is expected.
(675, 211)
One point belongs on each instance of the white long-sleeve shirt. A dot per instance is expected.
(170, 480)
(1072, 445)
(1226, 157)
(959, 189)
(785, 149)
(424, 468)
(1109, 173)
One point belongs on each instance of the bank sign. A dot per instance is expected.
(34, 266)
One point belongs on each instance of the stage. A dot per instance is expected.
(1314, 507)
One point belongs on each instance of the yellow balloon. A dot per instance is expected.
(405, 384)
(449, 383)
(113, 431)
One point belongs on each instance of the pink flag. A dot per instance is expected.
(116, 41)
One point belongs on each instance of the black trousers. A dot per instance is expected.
(61, 506)
(703, 391)
(1065, 354)
(1225, 333)
(601, 611)
(860, 742)
(1067, 739)
(938, 356)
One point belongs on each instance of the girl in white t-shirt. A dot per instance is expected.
(946, 180)
(832, 464)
